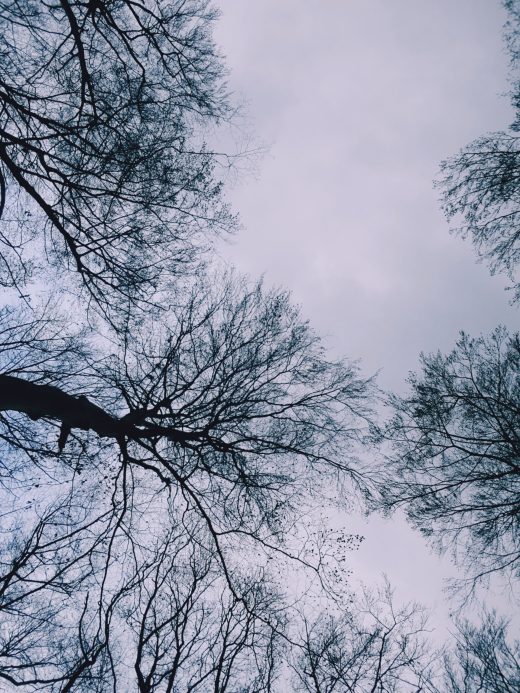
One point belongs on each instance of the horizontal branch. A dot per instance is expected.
(49, 402)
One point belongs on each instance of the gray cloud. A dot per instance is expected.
(361, 99)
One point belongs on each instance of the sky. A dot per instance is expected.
(358, 102)
(355, 103)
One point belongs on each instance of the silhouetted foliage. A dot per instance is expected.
(455, 459)
(103, 166)
(372, 647)
(483, 659)
(481, 184)
(159, 426)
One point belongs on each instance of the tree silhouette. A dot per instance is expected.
(483, 659)
(480, 184)
(455, 459)
(160, 425)
(371, 647)
(103, 166)
(212, 424)
(95, 605)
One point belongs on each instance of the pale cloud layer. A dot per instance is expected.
(359, 101)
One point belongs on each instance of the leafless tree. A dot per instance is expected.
(104, 603)
(455, 459)
(153, 430)
(48, 639)
(372, 647)
(193, 634)
(215, 425)
(103, 167)
(233, 400)
(480, 184)
(484, 659)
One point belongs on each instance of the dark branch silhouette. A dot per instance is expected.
(483, 659)
(480, 185)
(103, 168)
(372, 647)
(455, 463)
(210, 425)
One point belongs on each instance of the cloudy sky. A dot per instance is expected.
(358, 101)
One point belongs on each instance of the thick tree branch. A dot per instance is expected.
(49, 402)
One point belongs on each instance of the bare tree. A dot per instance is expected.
(48, 589)
(480, 184)
(370, 648)
(102, 604)
(192, 634)
(235, 384)
(215, 424)
(483, 659)
(103, 166)
(152, 430)
(455, 459)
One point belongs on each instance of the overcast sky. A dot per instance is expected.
(358, 102)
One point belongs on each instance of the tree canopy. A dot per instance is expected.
(455, 459)
(104, 170)
(480, 184)
(165, 424)
(159, 425)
